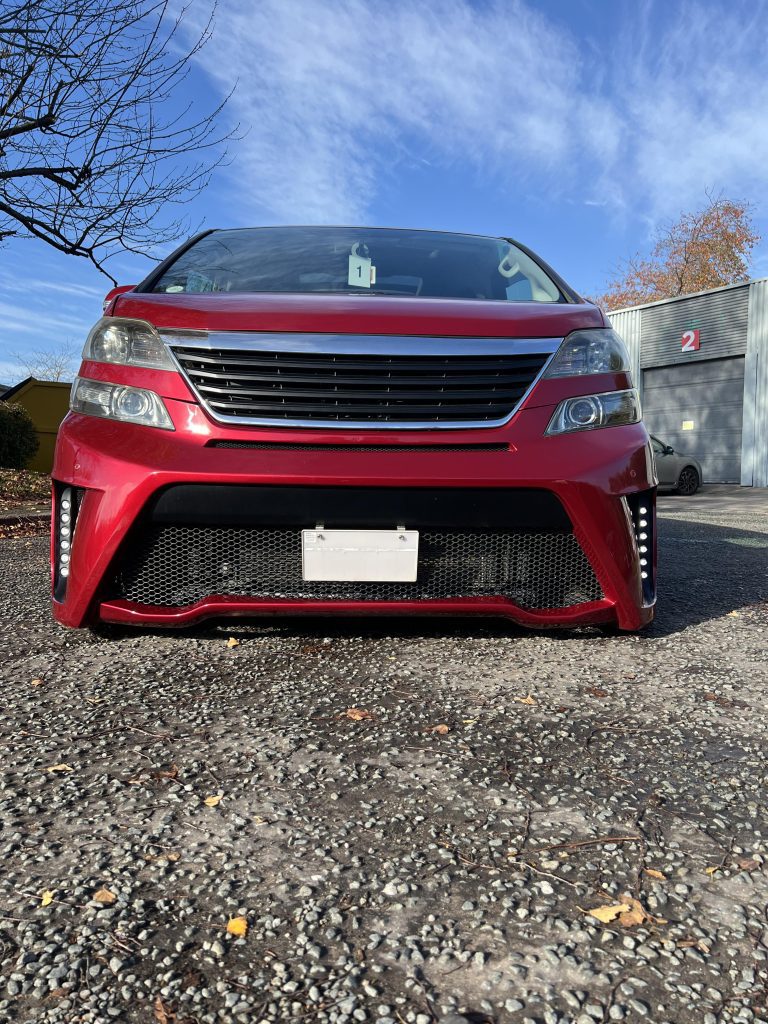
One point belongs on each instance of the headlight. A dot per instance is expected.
(115, 339)
(117, 402)
(596, 351)
(613, 409)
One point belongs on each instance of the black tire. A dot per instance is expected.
(688, 482)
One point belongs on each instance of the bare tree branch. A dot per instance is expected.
(97, 141)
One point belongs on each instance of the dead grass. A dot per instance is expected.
(23, 487)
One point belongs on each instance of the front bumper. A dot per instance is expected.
(125, 474)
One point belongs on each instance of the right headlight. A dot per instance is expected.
(119, 402)
(588, 412)
(599, 350)
(117, 339)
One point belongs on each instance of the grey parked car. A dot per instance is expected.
(681, 473)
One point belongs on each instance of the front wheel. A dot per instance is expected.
(688, 482)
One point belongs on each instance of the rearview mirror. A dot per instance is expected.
(114, 292)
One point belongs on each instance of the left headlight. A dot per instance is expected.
(588, 412)
(599, 350)
(118, 402)
(117, 339)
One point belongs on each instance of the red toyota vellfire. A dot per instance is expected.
(334, 420)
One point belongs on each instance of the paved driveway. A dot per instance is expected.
(409, 821)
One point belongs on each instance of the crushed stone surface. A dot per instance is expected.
(389, 871)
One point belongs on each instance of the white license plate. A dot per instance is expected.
(360, 556)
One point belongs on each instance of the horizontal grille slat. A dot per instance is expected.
(404, 380)
(376, 363)
(382, 410)
(339, 388)
(389, 393)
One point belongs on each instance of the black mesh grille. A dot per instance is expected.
(285, 446)
(177, 565)
(359, 388)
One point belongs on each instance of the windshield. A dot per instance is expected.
(359, 261)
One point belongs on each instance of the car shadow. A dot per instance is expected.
(705, 571)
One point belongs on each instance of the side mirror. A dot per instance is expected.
(114, 292)
(668, 449)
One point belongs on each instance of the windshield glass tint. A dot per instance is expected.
(362, 261)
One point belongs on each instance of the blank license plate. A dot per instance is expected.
(360, 556)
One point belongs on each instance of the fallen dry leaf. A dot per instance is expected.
(609, 913)
(636, 914)
(237, 926)
(653, 873)
(59, 768)
(595, 691)
(36, 682)
(734, 615)
(470, 721)
(526, 700)
(163, 1013)
(172, 855)
(441, 729)
(748, 864)
(47, 897)
(258, 820)
(712, 871)
(104, 896)
(233, 642)
(629, 913)
(357, 714)
(315, 648)
(172, 773)
(212, 801)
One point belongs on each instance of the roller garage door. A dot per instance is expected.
(697, 408)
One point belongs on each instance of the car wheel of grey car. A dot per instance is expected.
(688, 482)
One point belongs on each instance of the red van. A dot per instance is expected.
(344, 420)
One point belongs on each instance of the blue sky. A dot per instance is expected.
(576, 126)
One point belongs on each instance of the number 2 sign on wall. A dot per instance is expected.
(691, 341)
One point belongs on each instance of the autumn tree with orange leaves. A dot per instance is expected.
(704, 249)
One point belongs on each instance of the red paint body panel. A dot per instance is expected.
(122, 466)
(369, 314)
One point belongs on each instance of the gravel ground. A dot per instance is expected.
(414, 817)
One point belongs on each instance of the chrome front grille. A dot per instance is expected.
(435, 382)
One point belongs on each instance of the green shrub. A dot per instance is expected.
(18, 440)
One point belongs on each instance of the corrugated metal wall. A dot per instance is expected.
(754, 458)
(720, 315)
(697, 408)
(627, 324)
(733, 322)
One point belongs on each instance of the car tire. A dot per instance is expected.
(688, 482)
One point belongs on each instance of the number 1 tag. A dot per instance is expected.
(360, 272)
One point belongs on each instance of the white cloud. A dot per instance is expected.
(693, 97)
(338, 98)
(335, 97)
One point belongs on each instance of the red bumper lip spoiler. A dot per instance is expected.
(128, 613)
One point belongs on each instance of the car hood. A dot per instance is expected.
(366, 314)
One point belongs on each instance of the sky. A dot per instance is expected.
(575, 126)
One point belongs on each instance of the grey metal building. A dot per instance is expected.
(701, 363)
